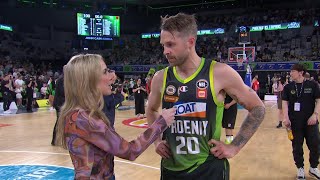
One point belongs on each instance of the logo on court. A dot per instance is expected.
(136, 122)
(4, 125)
(32, 172)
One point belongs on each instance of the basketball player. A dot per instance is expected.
(85, 130)
(229, 117)
(301, 107)
(191, 147)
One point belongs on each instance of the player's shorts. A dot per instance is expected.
(215, 169)
(229, 117)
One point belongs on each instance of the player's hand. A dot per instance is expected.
(222, 150)
(286, 122)
(163, 149)
(312, 120)
(227, 106)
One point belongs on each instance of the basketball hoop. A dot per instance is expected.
(239, 62)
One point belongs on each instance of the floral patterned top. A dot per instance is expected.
(92, 144)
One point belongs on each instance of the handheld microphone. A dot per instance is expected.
(171, 93)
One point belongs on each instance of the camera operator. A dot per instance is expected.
(111, 101)
(31, 84)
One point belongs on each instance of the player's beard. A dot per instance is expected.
(177, 61)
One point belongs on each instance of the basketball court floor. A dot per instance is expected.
(26, 152)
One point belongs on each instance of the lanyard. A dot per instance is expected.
(299, 94)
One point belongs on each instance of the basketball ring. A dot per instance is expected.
(239, 62)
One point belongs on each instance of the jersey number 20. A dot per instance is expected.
(191, 143)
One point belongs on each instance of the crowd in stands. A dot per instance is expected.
(22, 60)
(20, 79)
(280, 45)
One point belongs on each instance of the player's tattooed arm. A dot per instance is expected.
(249, 125)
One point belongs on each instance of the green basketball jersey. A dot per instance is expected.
(198, 117)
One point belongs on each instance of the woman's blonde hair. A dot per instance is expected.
(81, 77)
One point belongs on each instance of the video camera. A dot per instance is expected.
(32, 78)
(117, 86)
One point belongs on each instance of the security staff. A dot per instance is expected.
(301, 107)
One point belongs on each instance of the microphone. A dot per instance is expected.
(171, 93)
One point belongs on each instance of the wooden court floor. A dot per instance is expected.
(266, 156)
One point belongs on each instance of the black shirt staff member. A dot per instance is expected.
(139, 95)
(301, 107)
(31, 84)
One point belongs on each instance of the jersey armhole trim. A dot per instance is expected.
(165, 73)
(211, 79)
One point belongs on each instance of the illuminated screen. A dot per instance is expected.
(98, 27)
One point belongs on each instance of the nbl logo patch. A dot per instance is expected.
(202, 86)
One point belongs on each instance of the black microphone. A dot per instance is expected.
(171, 93)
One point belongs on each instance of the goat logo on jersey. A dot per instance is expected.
(191, 109)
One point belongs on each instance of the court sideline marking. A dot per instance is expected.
(66, 154)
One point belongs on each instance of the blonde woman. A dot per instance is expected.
(84, 129)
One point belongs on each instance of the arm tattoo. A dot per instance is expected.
(249, 126)
(234, 97)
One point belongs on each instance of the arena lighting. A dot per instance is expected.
(24, 1)
(273, 27)
(200, 32)
(49, 3)
(5, 27)
(193, 4)
(116, 8)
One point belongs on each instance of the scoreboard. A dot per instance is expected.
(97, 26)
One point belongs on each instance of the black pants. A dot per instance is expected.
(53, 141)
(6, 101)
(29, 102)
(139, 105)
(311, 134)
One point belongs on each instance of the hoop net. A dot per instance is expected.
(240, 62)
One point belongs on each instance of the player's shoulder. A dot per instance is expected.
(158, 76)
(221, 68)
